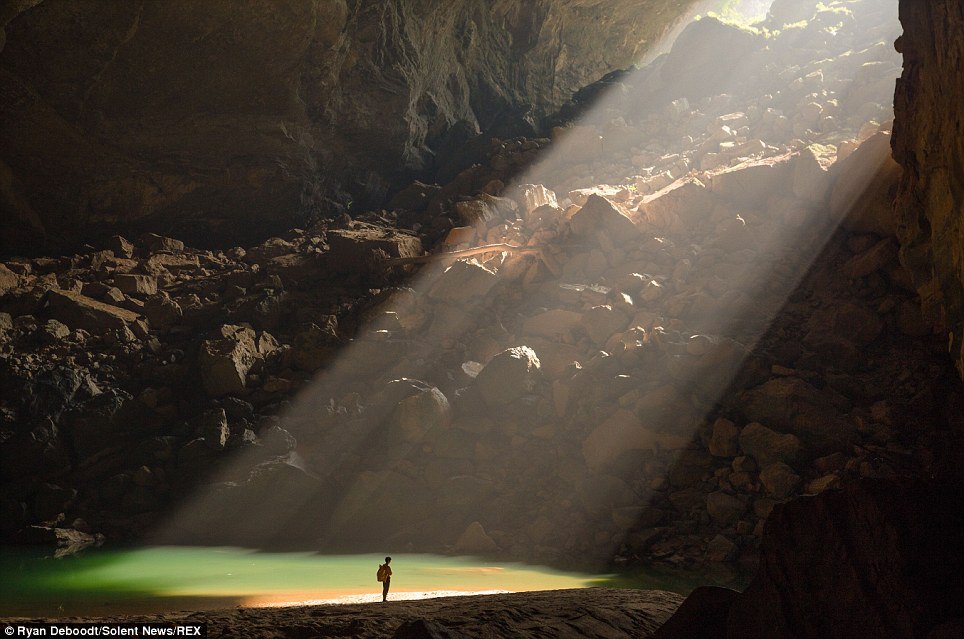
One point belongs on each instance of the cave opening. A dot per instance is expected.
(517, 302)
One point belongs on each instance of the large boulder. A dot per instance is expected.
(509, 375)
(79, 311)
(866, 186)
(767, 446)
(418, 408)
(225, 360)
(599, 214)
(791, 405)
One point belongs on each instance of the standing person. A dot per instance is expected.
(385, 576)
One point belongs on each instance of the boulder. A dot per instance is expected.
(213, 427)
(105, 421)
(600, 214)
(161, 311)
(779, 480)
(702, 615)
(464, 282)
(362, 247)
(847, 321)
(8, 279)
(720, 549)
(509, 375)
(79, 311)
(873, 259)
(225, 360)
(767, 446)
(602, 322)
(725, 439)
(419, 408)
(752, 183)
(865, 188)
(724, 509)
(530, 197)
(811, 177)
(120, 246)
(133, 284)
(622, 432)
(791, 405)
(314, 344)
(681, 205)
(155, 243)
(555, 324)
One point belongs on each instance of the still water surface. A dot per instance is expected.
(163, 579)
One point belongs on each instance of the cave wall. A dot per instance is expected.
(928, 142)
(221, 120)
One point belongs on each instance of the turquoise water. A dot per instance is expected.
(162, 579)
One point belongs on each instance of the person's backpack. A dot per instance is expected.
(382, 573)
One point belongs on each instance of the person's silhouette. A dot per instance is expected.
(385, 570)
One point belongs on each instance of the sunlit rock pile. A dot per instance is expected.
(632, 368)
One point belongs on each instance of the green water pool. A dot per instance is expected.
(162, 579)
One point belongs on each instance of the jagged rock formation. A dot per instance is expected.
(929, 145)
(221, 121)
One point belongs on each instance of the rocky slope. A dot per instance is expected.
(223, 121)
(637, 366)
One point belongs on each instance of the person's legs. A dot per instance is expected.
(385, 588)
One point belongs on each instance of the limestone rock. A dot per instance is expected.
(120, 246)
(509, 375)
(161, 311)
(682, 204)
(420, 408)
(213, 427)
(791, 405)
(555, 324)
(751, 183)
(8, 279)
(159, 244)
(863, 193)
(314, 344)
(78, 311)
(725, 440)
(225, 360)
(720, 549)
(363, 247)
(724, 509)
(135, 284)
(621, 432)
(463, 283)
(601, 322)
(530, 197)
(811, 177)
(873, 259)
(767, 446)
(599, 214)
(779, 480)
